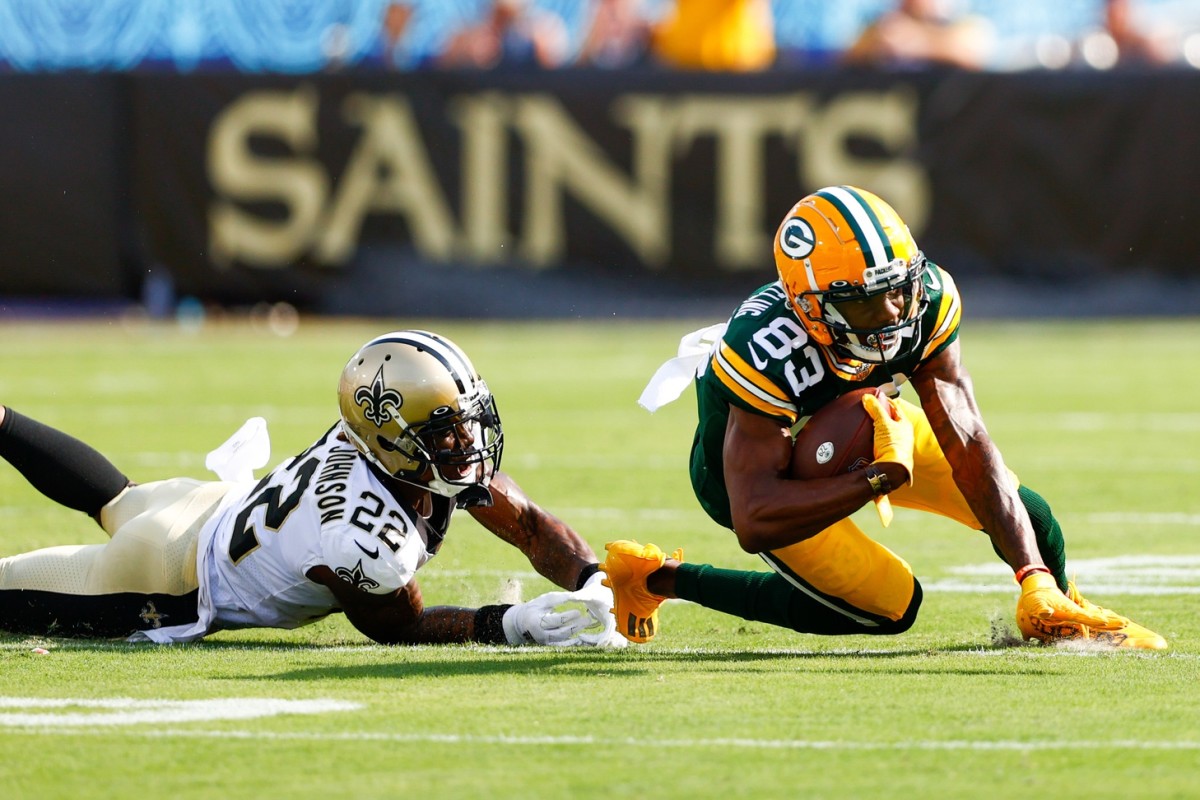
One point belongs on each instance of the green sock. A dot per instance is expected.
(759, 596)
(769, 597)
(1051, 545)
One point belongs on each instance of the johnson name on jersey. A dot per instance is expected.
(325, 506)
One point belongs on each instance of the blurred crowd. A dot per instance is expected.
(303, 36)
(748, 35)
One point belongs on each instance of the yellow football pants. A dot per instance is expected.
(843, 562)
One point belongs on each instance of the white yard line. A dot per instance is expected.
(1123, 518)
(472, 740)
(45, 713)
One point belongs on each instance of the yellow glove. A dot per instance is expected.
(1041, 599)
(894, 435)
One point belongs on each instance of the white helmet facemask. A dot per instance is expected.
(883, 344)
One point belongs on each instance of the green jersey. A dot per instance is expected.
(766, 364)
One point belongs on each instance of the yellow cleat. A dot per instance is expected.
(1126, 634)
(625, 569)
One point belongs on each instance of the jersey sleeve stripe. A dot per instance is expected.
(944, 331)
(751, 375)
(949, 315)
(748, 385)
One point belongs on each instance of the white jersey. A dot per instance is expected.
(326, 507)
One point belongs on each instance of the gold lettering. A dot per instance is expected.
(560, 156)
(890, 117)
(482, 120)
(237, 174)
(389, 171)
(741, 127)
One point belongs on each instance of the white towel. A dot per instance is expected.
(247, 450)
(675, 375)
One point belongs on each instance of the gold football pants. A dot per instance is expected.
(854, 571)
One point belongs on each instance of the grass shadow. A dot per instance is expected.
(473, 661)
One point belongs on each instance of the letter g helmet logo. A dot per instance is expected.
(796, 238)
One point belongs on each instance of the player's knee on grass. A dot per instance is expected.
(831, 617)
(910, 614)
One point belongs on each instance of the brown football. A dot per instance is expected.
(839, 438)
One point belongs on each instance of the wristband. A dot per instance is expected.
(878, 479)
(584, 574)
(489, 625)
(1027, 570)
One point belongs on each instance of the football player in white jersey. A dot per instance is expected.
(343, 526)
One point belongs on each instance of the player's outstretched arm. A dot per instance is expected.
(396, 618)
(948, 398)
(554, 549)
(401, 618)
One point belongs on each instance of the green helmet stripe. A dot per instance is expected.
(864, 222)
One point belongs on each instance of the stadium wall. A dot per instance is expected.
(578, 193)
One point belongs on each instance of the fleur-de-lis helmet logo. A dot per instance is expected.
(380, 405)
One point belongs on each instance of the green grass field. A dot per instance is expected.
(1101, 417)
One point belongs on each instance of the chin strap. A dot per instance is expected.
(475, 496)
(472, 495)
(466, 495)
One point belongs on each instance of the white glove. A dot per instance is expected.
(599, 601)
(536, 622)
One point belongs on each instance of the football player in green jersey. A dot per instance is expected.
(856, 304)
